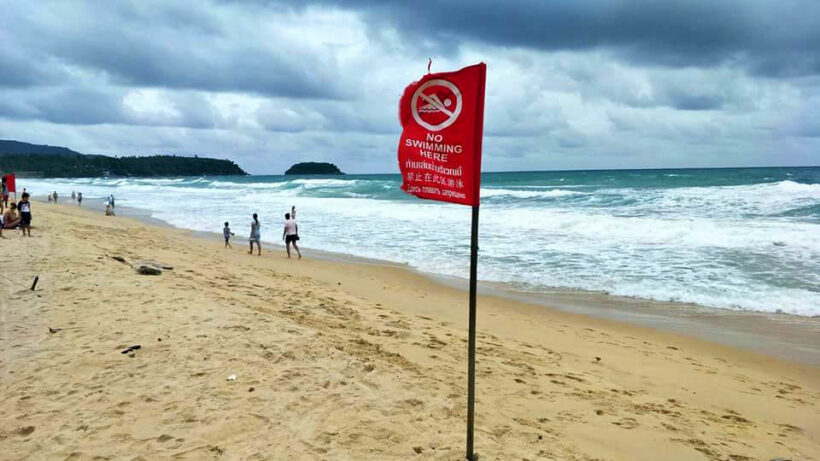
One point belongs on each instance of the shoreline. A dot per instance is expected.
(785, 336)
(342, 360)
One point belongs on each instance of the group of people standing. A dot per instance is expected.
(78, 197)
(109, 205)
(75, 197)
(16, 215)
(290, 234)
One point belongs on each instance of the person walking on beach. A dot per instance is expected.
(73, 196)
(80, 198)
(55, 196)
(291, 234)
(256, 235)
(25, 214)
(226, 232)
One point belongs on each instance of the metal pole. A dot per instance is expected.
(471, 341)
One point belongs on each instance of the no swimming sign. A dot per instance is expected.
(442, 116)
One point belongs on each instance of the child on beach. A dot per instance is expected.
(226, 232)
(291, 233)
(256, 235)
(25, 214)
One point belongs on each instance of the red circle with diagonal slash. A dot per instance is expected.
(436, 104)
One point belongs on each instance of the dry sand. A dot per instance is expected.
(347, 361)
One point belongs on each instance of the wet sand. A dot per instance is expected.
(338, 360)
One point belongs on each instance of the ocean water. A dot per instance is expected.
(746, 238)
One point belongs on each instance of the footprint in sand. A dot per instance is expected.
(627, 423)
(24, 431)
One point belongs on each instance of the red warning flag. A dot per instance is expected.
(10, 184)
(442, 116)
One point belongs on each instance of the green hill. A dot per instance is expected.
(24, 148)
(54, 162)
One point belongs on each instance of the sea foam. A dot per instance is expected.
(723, 238)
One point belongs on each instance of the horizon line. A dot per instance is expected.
(571, 170)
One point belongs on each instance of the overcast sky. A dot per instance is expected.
(571, 84)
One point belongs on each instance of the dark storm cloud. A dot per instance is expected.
(155, 45)
(772, 38)
(97, 106)
(133, 61)
(76, 106)
(21, 69)
(574, 84)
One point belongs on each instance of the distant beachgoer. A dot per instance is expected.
(5, 201)
(25, 214)
(109, 210)
(50, 198)
(226, 232)
(73, 196)
(55, 196)
(80, 198)
(112, 201)
(291, 234)
(10, 217)
(256, 235)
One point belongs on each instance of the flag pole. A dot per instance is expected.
(471, 340)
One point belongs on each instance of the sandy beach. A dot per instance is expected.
(338, 360)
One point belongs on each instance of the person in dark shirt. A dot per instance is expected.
(5, 193)
(24, 206)
(226, 232)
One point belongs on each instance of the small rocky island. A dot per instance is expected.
(305, 168)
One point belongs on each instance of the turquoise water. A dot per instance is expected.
(746, 238)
